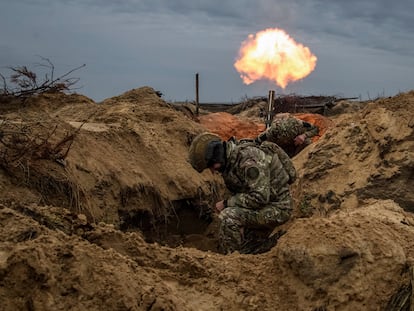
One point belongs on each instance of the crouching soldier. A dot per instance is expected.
(257, 176)
(290, 133)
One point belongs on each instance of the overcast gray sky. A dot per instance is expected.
(365, 48)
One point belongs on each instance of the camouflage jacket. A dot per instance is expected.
(255, 177)
(283, 131)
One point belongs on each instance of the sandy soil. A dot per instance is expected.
(100, 210)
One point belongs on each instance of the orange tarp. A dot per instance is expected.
(227, 125)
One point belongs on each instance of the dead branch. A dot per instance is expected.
(17, 144)
(20, 142)
(24, 82)
(4, 90)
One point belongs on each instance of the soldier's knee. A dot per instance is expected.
(284, 216)
(230, 217)
(277, 216)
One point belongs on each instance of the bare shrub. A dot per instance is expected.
(24, 82)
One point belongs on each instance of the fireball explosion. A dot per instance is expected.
(273, 55)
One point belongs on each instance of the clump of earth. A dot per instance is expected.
(101, 210)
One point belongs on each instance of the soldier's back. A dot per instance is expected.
(284, 130)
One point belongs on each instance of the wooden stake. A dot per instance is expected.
(270, 102)
(197, 99)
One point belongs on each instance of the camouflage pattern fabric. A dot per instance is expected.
(283, 157)
(284, 130)
(234, 220)
(260, 187)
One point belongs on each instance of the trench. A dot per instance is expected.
(187, 225)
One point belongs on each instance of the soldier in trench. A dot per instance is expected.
(258, 178)
(290, 133)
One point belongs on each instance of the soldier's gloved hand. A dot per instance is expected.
(300, 139)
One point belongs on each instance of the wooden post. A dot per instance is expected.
(197, 99)
(270, 102)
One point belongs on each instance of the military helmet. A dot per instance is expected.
(198, 150)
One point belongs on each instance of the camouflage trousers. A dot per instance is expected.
(235, 220)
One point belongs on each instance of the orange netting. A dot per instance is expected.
(227, 125)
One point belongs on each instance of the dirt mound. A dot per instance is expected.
(104, 212)
(367, 154)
